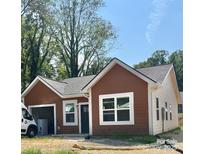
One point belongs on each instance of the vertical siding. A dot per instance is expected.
(166, 93)
(119, 80)
(41, 94)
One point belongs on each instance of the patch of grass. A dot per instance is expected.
(31, 151)
(175, 131)
(65, 152)
(143, 139)
(167, 135)
(38, 151)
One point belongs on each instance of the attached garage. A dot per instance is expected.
(44, 116)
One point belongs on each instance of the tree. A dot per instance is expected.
(63, 38)
(36, 40)
(160, 57)
(176, 58)
(97, 65)
(82, 36)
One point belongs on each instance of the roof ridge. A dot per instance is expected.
(52, 79)
(154, 66)
(79, 77)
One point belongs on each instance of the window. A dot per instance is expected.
(157, 108)
(165, 105)
(180, 108)
(116, 109)
(108, 109)
(170, 112)
(26, 114)
(70, 112)
(166, 111)
(170, 115)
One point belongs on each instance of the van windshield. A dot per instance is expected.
(26, 114)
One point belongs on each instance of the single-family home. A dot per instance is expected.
(117, 100)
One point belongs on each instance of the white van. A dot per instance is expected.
(28, 125)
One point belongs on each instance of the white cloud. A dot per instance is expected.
(155, 17)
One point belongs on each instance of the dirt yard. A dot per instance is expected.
(49, 145)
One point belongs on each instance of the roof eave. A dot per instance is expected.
(73, 96)
(34, 82)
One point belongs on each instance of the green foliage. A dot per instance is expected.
(176, 58)
(37, 42)
(161, 57)
(97, 65)
(82, 36)
(63, 38)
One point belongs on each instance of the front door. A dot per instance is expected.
(84, 119)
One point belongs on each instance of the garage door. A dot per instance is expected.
(44, 117)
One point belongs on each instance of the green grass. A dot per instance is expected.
(166, 135)
(31, 151)
(37, 151)
(65, 152)
(143, 139)
(175, 131)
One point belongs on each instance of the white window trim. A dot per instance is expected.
(117, 95)
(157, 108)
(75, 123)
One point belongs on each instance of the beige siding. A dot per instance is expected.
(166, 93)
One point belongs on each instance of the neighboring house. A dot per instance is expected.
(118, 100)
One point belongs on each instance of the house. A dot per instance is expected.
(118, 100)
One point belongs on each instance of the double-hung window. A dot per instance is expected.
(70, 113)
(116, 109)
(170, 111)
(166, 111)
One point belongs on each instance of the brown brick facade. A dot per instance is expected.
(119, 80)
(41, 94)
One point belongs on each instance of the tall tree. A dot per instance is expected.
(63, 38)
(36, 39)
(159, 57)
(82, 35)
(176, 58)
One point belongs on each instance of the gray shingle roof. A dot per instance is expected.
(69, 86)
(57, 85)
(157, 73)
(73, 86)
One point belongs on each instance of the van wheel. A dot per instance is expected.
(31, 132)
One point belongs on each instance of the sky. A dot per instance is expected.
(144, 26)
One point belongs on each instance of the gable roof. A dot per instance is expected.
(66, 88)
(75, 87)
(153, 75)
(157, 73)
